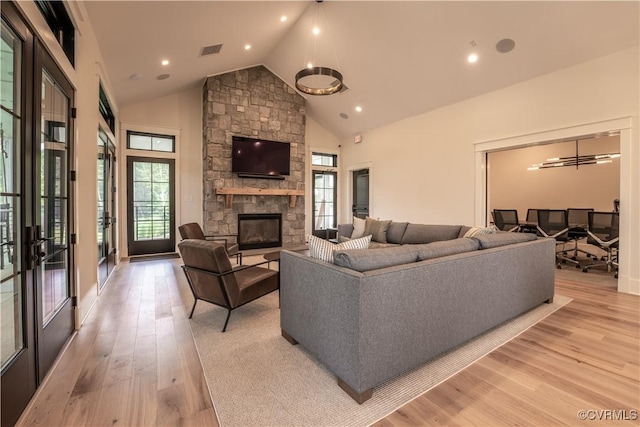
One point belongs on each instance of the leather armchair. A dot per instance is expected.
(192, 230)
(212, 278)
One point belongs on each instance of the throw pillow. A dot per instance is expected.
(476, 231)
(377, 229)
(358, 228)
(323, 249)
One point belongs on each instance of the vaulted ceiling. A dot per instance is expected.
(399, 58)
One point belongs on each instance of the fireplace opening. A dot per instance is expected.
(257, 231)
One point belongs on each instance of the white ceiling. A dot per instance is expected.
(398, 58)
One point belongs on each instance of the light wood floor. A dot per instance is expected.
(134, 363)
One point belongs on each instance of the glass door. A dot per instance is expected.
(324, 200)
(17, 349)
(106, 207)
(49, 237)
(150, 205)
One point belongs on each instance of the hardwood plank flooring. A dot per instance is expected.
(134, 363)
(583, 357)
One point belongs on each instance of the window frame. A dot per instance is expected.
(151, 135)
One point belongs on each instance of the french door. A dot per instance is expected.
(36, 135)
(325, 195)
(150, 205)
(106, 208)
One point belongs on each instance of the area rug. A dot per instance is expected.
(256, 378)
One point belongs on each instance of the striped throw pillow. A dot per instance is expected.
(476, 231)
(323, 249)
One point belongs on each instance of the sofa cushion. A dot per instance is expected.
(421, 233)
(378, 245)
(476, 231)
(396, 231)
(446, 247)
(358, 228)
(377, 229)
(365, 260)
(501, 239)
(323, 249)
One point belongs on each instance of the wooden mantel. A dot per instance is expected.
(230, 192)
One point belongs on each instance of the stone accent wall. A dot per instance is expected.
(254, 103)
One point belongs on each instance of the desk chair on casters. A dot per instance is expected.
(555, 223)
(193, 230)
(604, 232)
(506, 219)
(578, 220)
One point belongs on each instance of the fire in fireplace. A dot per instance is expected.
(257, 231)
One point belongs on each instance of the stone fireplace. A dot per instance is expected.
(255, 103)
(256, 231)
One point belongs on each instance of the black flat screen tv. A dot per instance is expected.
(259, 157)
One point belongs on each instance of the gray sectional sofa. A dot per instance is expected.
(376, 313)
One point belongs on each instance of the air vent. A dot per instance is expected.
(210, 50)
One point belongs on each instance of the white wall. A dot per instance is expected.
(513, 186)
(179, 114)
(317, 139)
(85, 77)
(424, 166)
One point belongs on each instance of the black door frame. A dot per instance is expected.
(151, 246)
(313, 197)
(52, 337)
(360, 210)
(19, 377)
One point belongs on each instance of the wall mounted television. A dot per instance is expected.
(259, 158)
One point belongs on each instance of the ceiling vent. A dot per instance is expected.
(210, 50)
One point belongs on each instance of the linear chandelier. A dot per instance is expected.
(319, 80)
(577, 160)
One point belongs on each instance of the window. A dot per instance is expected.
(320, 159)
(151, 142)
(105, 110)
(58, 19)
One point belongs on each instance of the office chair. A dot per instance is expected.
(506, 219)
(603, 232)
(555, 223)
(531, 224)
(578, 220)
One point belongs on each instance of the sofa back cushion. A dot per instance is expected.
(396, 231)
(501, 239)
(416, 234)
(373, 259)
(446, 247)
(376, 229)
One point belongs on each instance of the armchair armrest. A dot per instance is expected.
(226, 273)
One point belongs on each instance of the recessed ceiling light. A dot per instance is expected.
(163, 76)
(247, 47)
(344, 115)
(315, 31)
(472, 58)
(283, 18)
(136, 76)
(358, 108)
(309, 65)
(165, 62)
